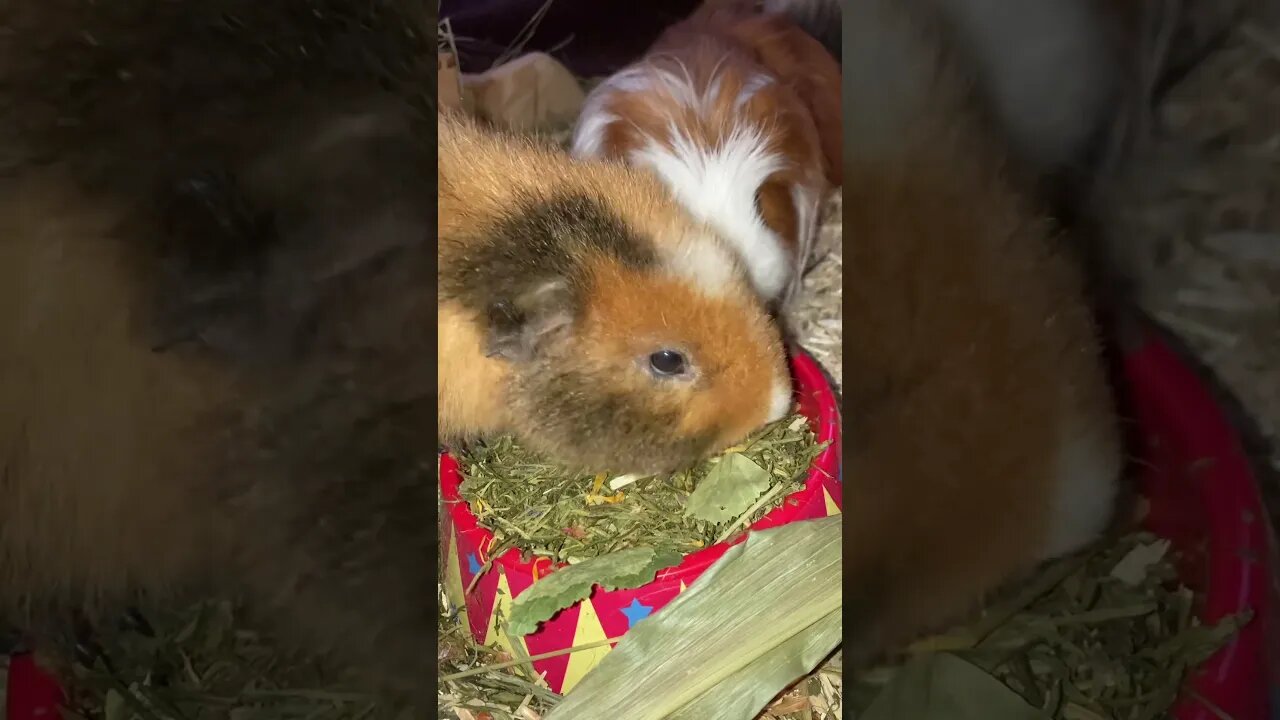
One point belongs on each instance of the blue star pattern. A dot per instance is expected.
(473, 565)
(636, 612)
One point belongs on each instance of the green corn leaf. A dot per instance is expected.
(760, 618)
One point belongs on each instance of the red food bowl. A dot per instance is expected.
(1204, 498)
(608, 614)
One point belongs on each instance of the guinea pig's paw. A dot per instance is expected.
(523, 323)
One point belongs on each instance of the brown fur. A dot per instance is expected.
(809, 71)
(84, 401)
(582, 393)
(971, 361)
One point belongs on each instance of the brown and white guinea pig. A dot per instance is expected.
(981, 433)
(582, 309)
(216, 301)
(738, 113)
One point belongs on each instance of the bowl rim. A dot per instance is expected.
(1239, 565)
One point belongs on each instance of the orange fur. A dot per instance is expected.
(969, 354)
(622, 319)
(982, 433)
(467, 407)
(94, 425)
(804, 66)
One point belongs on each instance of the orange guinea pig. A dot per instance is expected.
(738, 113)
(982, 433)
(583, 310)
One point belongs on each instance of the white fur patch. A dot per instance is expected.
(780, 400)
(718, 186)
(588, 132)
(705, 261)
(1086, 484)
(588, 135)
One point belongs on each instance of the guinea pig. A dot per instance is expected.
(582, 309)
(215, 322)
(738, 113)
(982, 436)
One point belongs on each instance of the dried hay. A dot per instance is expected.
(1197, 218)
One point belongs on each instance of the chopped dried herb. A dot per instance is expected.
(537, 506)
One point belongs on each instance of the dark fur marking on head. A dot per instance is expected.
(518, 328)
(524, 277)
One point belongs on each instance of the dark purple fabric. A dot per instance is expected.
(606, 34)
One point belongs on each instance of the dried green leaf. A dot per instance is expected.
(728, 490)
(620, 570)
(113, 706)
(1133, 567)
(942, 686)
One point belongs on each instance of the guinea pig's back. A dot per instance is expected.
(983, 437)
(95, 499)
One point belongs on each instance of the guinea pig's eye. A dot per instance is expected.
(667, 363)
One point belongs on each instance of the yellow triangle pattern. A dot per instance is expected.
(832, 508)
(501, 605)
(453, 581)
(589, 630)
(683, 587)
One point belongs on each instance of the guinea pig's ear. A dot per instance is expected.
(522, 325)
